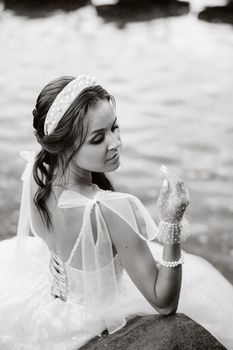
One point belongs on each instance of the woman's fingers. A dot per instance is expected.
(179, 187)
(180, 195)
(180, 184)
(174, 196)
(187, 196)
(164, 192)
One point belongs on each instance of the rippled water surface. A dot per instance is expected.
(172, 79)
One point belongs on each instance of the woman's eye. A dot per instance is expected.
(101, 139)
(98, 140)
(115, 127)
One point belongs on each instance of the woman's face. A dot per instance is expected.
(100, 151)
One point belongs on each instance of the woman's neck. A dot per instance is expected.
(79, 176)
(75, 177)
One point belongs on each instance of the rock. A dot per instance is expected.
(125, 11)
(120, 11)
(156, 332)
(218, 14)
(42, 8)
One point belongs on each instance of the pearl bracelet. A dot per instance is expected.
(172, 263)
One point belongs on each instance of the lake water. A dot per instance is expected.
(172, 79)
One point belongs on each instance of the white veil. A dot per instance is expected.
(20, 269)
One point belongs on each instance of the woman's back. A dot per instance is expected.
(66, 224)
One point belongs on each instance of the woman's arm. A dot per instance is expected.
(159, 285)
(169, 279)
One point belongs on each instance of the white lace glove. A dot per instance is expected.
(172, 203)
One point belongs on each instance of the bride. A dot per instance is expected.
(84, 258)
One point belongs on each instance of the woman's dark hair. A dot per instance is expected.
(68, 135)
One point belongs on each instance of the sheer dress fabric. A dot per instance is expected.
(48, 304)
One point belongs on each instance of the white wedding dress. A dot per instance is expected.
(47, 304)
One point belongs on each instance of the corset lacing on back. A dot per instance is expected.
(59, 277)
(59, 283)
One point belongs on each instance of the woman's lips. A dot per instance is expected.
(114, 157)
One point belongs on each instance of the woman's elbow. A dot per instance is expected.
(167, 311)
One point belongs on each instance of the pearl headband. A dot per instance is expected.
(64, 100)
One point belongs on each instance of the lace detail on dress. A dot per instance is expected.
(59, 280)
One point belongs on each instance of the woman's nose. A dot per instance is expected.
(114, 143)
